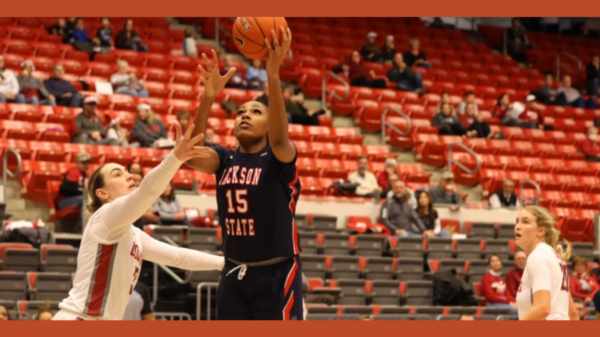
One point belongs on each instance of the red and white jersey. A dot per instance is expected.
(545, 271)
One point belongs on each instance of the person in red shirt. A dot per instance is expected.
(383, 178)
(590, 146)
(494, 289)
(362, 76)
(513, 277)
(583, 286)
(72, 186)
(500, 110)
(531, 117)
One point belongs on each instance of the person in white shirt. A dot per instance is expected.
(189, 43)
(368, 186)
(506, 197)
(112, 249)
(125, 82)
(544, 292)
(9, 86)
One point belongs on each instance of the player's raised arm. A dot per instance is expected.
(283, 149)
(213, 85)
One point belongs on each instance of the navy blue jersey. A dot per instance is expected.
(256, 198)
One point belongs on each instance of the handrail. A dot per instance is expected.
(7, 171)
(565, 67)
(461, 166)
(534, 184)
(392, 126)
(325, 91)
(169, 271)
(208, 286)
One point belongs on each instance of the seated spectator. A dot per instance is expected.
(89, 128)
(444, 98)
(184, 118)
(296, 111)
(429, 217)
(501, 109)
(9, 86)
(129, 39)
(580, 307)
(475, 125)
(549, 95)
(506, 197)
(369, 50)
(116, 132)
(590, 146)
(62, 90)
(189, 43)
(104, 35)
(137, 178)
(362, 76)
(531, 117)
(444, 193)
(169, 209)
(367, 182)
(513, 277)
(139, 307)
(60, 29)
(81, 40)
(517, 41)
(412, 202)
(264, 98)
(44, 313)
(73, 185)
(135, 168)
(4, 314)
(237, 80)
(572, 95)
(32, 91)
(447, 122)
(493, 287)
(469, 99)
(256, 75)
(398, 216)
(402, 74)
(466, 317)
(148, 129)
(389, 50)
(384, 177)
(126, 83)
(209, 137)
(414, 56)
(583, 286)
(592, 80)
(71, 23)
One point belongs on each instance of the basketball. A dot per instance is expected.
(249, 34)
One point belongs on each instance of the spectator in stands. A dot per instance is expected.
(466, 317)
(583, 286)
(531, 117)
(369, 50)
(592, 80)
(148, 129)
(414, 56)
(444, 98)
(264, 98)
(209, 137)
(367, 182)
(81, 40)
(116, 132)
(189, 43)
(4, 314)
(506, 197)
(493, 287)
(590, 146)
(383, 178)
(402, 74)
(135, 168)
(184, 118)
(513, 277)
(32, 90)
(580, 307)
(501, 109)
(169, 209)
(412, 202)
(237, 80)
(469, 99)
(256, 75)
(129, 39)
(549, 95)
(125, 82)
(139, 307)
(398, 216)
(362, 76)
(71, 22)
(44, 313)
(104, 35)
(60, 29)
(572, 95)
(137, 178)
(9, 86)
(389, 50)
(429, 217)
(517, 41)
(448, 123)
(63, 91)
(475, 125)
(89, 128)
(73, 185)
(444, 193)
(296, 111)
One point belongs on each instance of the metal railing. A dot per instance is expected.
(325, 91)
(535, 200)
(169, 271)
(460, 165)
(385, 123)
(9, 173)
(566, 68)
(208, 286)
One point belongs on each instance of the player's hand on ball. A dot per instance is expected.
(185, 146)
(279, 50)
(211, 77)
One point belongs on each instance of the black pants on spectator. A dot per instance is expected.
(305, 119)
(482, 128)
(454, 129)
(363, 82)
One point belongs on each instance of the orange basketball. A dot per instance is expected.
(249, 34)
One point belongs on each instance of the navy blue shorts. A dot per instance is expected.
(271, 292)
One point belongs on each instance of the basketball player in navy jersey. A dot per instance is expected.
(257, 191)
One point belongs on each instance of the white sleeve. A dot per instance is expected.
(518, 204)
(495, 202)
(437, 226)
(112, 134)
(183, 258)
(540, 273)
(14, 83)
(114, 218)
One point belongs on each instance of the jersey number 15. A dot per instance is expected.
(241, 204)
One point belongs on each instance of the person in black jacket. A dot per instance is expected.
(415, 57)
(592, 79)
(63, 91)
(73, 185)
(402, 74)
(389, 50)
(147, 127)
(129, 39)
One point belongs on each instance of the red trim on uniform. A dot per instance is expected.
(292, 208)
(290, 278)
(288, 307)
(101, 280)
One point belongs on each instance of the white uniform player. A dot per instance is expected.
(112, 250)
(545, 271)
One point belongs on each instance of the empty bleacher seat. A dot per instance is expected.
(506, 231)
(314, 266)
(482, 230)
(174, 233)
(323, 223)
(408, 269)
(345, 267)
(410, 247)
(336, 244)
(58, 258)
(49, 286)
(439, 248)
(498, 247)
(13, 285)
(367, 245)
(322, 317)
(379, 268)
(468, 249)
(385, 293)
(309, 243)
(353, 292)
(417, 292)
(477, 268)
(18, 257)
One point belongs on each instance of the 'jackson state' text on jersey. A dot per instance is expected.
(256, 198)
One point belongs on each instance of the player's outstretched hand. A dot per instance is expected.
(211, 77)
(279, 50)
(185, 146)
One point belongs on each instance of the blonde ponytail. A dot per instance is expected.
(545, 219)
